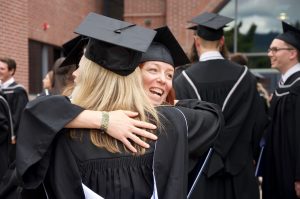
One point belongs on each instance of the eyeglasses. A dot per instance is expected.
(275, 49)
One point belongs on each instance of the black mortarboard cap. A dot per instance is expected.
(74, 49)
(290, 35)
(210, 25)
(165, 48)
(113, 44)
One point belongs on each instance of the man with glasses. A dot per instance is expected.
(281, 175)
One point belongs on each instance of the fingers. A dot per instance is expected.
(145, 125)
(144, 133)
(131, 113)
(138, 141)
(129, 145)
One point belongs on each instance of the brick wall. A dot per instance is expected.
(21, 20)
(148, 13)
(14, 35)
(174, 13)
(63, 16)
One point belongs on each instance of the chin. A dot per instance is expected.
(155, 103)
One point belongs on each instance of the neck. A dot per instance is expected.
(5, 80)
(204, 50)
(290, 65)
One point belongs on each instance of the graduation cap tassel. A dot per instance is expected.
(200, 172)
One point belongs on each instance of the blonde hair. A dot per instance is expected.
(100, 89)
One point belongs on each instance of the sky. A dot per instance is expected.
(264, 13)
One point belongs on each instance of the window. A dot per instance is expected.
(258, 22)
(41, 60)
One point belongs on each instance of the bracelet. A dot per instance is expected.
(104, 121)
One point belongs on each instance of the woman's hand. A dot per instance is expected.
(123, 127)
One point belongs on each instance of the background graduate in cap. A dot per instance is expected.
(281, 175)
(107, 79)
(230, 170)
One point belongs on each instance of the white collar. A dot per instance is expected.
(8, 82)
(290, 72)
(212, 55)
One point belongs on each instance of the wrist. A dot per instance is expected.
(104, 121)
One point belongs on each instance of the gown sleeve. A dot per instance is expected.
(239, 114)
(297, 137)
(205, 122)
(19, 101)
(42, 119)
(63, 176)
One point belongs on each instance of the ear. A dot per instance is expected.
(12, 72)
(196, 41)
(294, 54)
(222, 41)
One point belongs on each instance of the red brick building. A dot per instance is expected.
(174, 13)
(32, 31)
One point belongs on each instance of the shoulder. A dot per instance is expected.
(294, 87)
(3, 102)
(50, 99)
(179, 69)
(15, 88)
(171, 114)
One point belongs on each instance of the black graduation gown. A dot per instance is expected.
(170, 163)
(5, 136)
(179, 69)
(282, 154)
(17, 99)
(230, 170)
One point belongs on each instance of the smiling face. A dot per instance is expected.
(282, 55)
(157, 80)
(5, 73)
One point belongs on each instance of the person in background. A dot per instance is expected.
(259, 142)
(229, 173)
(239, 58)
(194, 56)
(62, 76)
(74, 50)
(5, 135)
(243, 60)
(48, 83)
(15, 93)
(281, 175)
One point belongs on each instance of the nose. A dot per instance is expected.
(161, 78)
(270, 53)
(75, 72)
